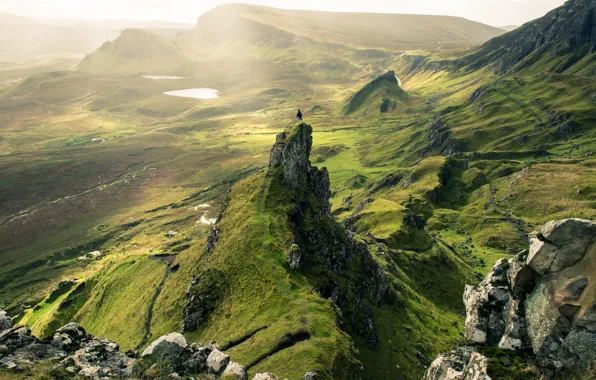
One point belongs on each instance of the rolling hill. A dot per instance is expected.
(137, 51)
(382, 95)
(557, 42)
(356, 30)
(138, 214)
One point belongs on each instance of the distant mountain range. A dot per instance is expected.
(254, 42)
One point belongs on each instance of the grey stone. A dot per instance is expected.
(197, 362)
(560, 244)
(309, 376)
(519, 275)
(515, 336)
(265, 376)
(167, 348)
(69, 337)
(463, 363)
(234, 371)
(217, 362)
(5, 321)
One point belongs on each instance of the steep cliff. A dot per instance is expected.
(274, 241)
(564, 36)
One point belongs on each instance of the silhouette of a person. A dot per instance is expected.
(299, 116)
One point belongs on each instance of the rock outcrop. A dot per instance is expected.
(5, 321)
(464, 363)
(543, 300)
(564, 30)
(321, 243)
(72, 350)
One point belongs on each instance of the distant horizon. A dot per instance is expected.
(146, 10)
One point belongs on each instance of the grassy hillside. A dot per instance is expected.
(469, 161)
(136, 51)
(357, 30)
(382, 95)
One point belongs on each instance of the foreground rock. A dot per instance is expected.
(168, 348)
(74, 351)
(463, 363)
(543, 300)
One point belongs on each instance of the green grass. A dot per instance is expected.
(258, 292)
(164, 156)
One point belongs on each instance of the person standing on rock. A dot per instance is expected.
(299, 116)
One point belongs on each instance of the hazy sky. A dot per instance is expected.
(493, 12)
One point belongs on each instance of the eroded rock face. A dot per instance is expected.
(543, 299)
(560, 244)
(463, 363)
(321, 241)
(485, 306)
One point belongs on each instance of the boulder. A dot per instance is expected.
(16, 338)
(5, 321)
(544, 301)
(560, 244)
(69, 337)
(217, 362)
(463, 363)
(167, 348)
(265, 376)
(309, 376)
(234, 371)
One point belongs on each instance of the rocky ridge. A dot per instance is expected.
(321, 245)
(569, 29)
(75, 353)
(321, 249)
(543, 301)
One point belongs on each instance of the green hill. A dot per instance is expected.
(382, 95)
(356, 30)
(558, 41)
(111, 191)
(136, 51)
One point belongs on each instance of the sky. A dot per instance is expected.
(492, 12)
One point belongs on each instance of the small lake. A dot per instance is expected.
(161, 77)
(195, 93)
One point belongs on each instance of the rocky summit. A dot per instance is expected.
(543, 300)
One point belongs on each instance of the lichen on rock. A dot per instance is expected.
(544, 300)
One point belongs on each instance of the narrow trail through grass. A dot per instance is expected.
(149, 318)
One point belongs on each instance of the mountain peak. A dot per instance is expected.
(569, 29)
